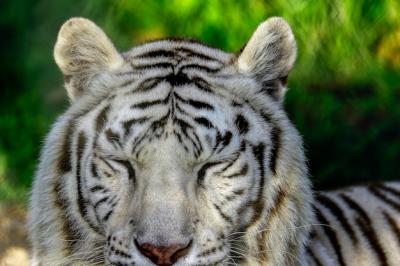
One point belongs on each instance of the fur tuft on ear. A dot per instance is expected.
(269, 56)
(83, 51)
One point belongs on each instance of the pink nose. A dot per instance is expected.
(163, 256)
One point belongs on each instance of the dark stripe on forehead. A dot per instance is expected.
(153, 66)
(202, 68)
(197, 54)
(202, 85)
(178, 79)
(147, 84)
(194, 103)
(147, 104)
(157, 53)
(336, 211)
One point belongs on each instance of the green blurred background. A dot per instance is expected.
(344, 92)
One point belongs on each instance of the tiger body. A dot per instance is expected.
(175, 153)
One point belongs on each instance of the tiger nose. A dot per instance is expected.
(163, 255)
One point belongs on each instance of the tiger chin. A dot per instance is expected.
(176, 153)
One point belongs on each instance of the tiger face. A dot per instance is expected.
(178, 153)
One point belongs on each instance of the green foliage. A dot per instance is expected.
(344, 92)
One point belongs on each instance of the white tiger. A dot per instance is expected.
(175, 153)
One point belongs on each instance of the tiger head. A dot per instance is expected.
(178, 153)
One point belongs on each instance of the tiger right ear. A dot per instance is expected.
(269, 56)
(83, 51)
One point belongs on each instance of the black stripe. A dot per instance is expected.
(184, 129)
(64, 161)
(204, 122)
(353, 205)
(199, 104)
(275, 140)
(148, 84)
(258, 204)
(326, 226)
(127, 125)
(113, 138)
(390, 190)
(152, 66)
(157, 53)
(202, 85)
(201, 68)
(147, 104)
(314, 258)
(129, 169)
(365, 224)
(242, 124)
(223, 215)
(393, 225)
(101, 119)
(196, 104)
(107, 216)
(194, 53)
(178, 79)
(81, 201)
(80, 149)
(224, 140)
(100, 201)
(93, 170)
(71, 232)
(339, 215)
(203, 170)
(369, 233)
(377, 193)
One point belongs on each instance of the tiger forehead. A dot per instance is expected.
(180, 50)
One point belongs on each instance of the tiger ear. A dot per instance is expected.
(269, 56)
(83, 51)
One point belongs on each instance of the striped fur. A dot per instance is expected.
(176, 142)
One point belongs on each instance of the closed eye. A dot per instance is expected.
(109, 167)
(229, 161)
(203, 170)
(129, 168)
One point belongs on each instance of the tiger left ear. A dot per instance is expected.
(83, 51)
(269, 56)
